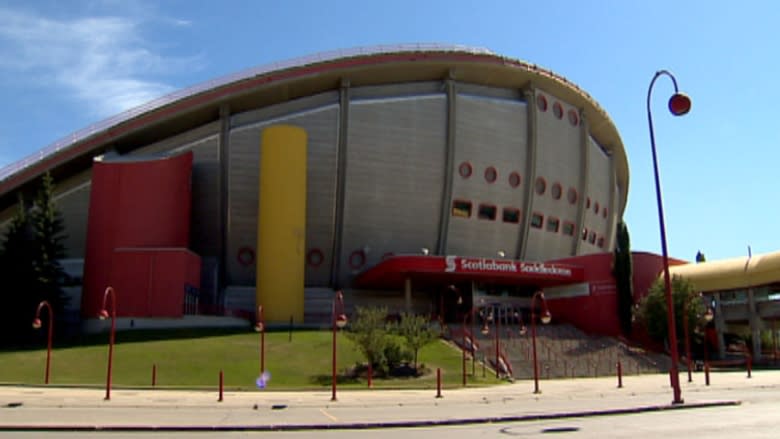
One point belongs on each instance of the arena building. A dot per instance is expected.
(424, 178)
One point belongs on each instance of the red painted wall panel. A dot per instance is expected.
(133, 204)
(149, 282)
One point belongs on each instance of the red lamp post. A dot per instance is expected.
(339, 320)
(104, 315)
(37, 325)
(679, 104)
(519, 318)
(687, 341)
(260, 327)
(545, 318)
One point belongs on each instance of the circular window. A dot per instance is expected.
(315, 257)
(491, 174)
(572, 195)
(514, 179)
(541, 185)
(465, 169)
(541, 103)
(596, 208)
(357, 259)
(558, 110)
(246, 256)
(574, 119)
(556, 191)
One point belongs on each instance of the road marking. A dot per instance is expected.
(331, 417)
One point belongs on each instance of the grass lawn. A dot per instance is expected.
(193, 359)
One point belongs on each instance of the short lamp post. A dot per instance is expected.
(545, 317)
(521, 328)
(104, 314)
(339, 320)
(707, 318)
(260, 328)
(679, 104)
(37, 325)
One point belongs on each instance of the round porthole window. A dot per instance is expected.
(315, 257)
(556, 191)
(246, 256)
(514, 179)
(465, 169)
(541, 103)
(357, 259)
(491, 174)
(574, 118)
(558, 110)
(572, 195)
(540, 186)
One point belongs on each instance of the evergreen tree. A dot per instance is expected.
(623, 273)
(18, 279)
(29, 265)
(700, 257)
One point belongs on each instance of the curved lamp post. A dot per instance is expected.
(522, 330)
(679, 104)
(260, 327)
(37, 325)
(339, 320)
(545, 317)
(104, 315)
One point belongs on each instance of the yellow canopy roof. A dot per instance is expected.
(728, 274)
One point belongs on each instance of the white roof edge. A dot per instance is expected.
(101, 126)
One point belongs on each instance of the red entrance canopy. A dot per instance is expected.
(440, 270)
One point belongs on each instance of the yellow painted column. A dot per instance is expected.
(281, 223)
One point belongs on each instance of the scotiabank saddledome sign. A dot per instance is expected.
(455, 264)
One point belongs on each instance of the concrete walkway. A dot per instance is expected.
(58, 408)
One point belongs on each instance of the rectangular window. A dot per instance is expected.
(537, 220)
(511, 215)
(592, 237)
(600, 242)
(461, 208)
(568, 228)
(553, 224)
(584, 234)
(487, 212)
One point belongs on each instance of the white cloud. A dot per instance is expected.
(104, 61)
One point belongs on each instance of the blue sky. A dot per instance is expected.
(65, 65)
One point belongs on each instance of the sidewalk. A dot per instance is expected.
(56, 408)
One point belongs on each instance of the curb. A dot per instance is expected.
(373, 425)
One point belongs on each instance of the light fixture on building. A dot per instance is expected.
(425, 251)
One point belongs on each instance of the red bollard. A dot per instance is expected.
(749, 363)
(438, 382)
(620, 375)
(706, 373)
(221, 386)
(370, 373)
(154, 375)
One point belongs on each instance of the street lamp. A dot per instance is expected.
(37, 325)
(545, 318)
(466, 317)
(519, 318)
(104, 315)
(708, 316)
(339, 320)
(679, 104)
(260, 327)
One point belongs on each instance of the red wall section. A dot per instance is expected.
(133, 204)
(595, 313)
(150, 282)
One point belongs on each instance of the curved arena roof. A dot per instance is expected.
(282, 81)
